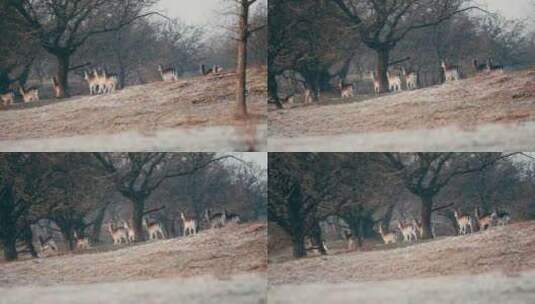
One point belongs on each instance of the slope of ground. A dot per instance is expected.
(191, 104)
(509, 249)
(472, 108)
(222, 253)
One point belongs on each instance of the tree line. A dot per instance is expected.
(75, 193)
(364, 189)
(328, 40)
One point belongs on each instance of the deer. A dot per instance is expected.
(484, 222)
(119, 235)
(464, 221)
(503, 218)
(350, 241)
(47, 244)
(205, 71)
(56, 86)
(29, 95)
(101, 81)
(217, 220)
(232, 218)
(7, 98)
(411, 78)
(168, 74)
(110, 82)
(388, 237)
(407, 231)
(346, 90)
(394, 82)
(154, 230)
(92, 82)
(480, 67)
(190, 225)
(308, 96)
(131, 233)
(491, 66)
(419, 227)
(451, 72)
(376, 84)
(81, 242)
(314, 248)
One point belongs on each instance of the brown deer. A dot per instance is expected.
(190, 225)
(7, 98)
(388, 237)
(29, 95)
(464, 222)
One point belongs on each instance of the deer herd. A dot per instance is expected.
(123, 233)
(99, 81)
(400, 79)
(411, 231)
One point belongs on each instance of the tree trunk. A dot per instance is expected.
(68, 236)
(63, 74)
(316, 237)
(426, 212)
(298, 245)
(242, 59)
(137, 218)
(28, 239)
(273, 90)
(10, 248)
(383, 57)
(97, 224)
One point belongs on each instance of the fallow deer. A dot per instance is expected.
(119, 235)
(29, 95)
(419, 227)
(314, 248)
(388, 237)
(168, 74)
(7, 98)
(503, 218)
(346, 90)
(411, 78)
(92, 82)
(394, 82)
(484, 222)
(491, 66)
(205, 71)
(154, 230)
(408, 231)
(111, 82)
(308, 96)
(376, 84)
(451, 72)
(350, 241)
(480, 67)
(130, 232)
(56, 86)
(464, 222)
(48, 244)
(216, 220)
(232, 218)
(190, 225)
(81, 242)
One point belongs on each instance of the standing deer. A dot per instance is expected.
(190, 225)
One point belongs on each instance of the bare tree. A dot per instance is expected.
(61, 27)
(381, 25)
(427, 174)
(137, 175)
(244, 31)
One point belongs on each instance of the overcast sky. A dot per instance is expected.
(205, 12)
(510, 8)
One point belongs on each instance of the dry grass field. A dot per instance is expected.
(191, 114)
(232, 260)
(484, 267)
(489, 111)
